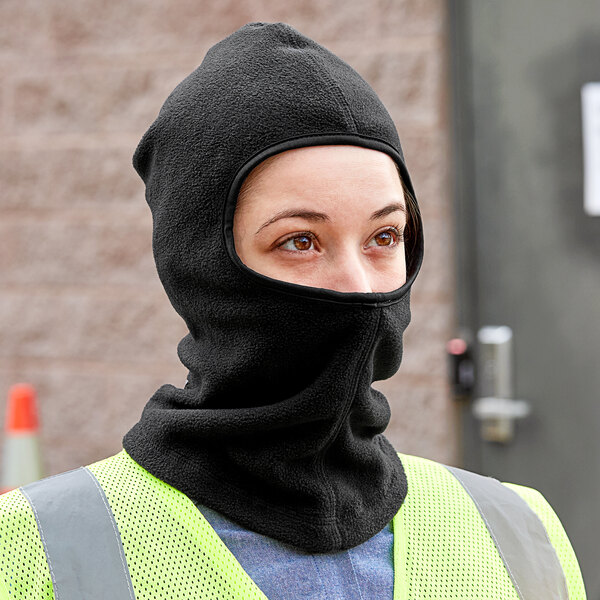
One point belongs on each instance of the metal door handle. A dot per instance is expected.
(498, 415)
(496, 408)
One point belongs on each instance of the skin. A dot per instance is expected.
(345, 251)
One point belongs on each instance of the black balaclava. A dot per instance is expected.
(278, 427)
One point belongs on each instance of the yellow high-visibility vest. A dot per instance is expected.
(113, 530)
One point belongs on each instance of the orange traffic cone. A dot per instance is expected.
(21, 460)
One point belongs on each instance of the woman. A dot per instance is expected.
(287, 236)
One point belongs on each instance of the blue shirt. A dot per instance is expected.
(283, 572)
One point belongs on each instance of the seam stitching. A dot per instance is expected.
(41, 530)
(112, 522)
(337, 90)
(547, 537)
(341, 98)
(491, 532)
(336, 431)
(355, 576)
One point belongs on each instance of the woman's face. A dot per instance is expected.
(324, 216)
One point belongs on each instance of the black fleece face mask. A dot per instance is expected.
(278, 427)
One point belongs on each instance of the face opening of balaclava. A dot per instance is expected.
(278, 426)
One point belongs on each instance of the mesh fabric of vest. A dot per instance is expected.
(441, 545)
(444, 550)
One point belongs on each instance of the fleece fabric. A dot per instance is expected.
(278, 427)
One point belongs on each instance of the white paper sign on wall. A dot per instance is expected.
(590, 111)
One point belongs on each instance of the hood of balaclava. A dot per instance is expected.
(278, 426)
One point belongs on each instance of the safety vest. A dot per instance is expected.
(111, 530)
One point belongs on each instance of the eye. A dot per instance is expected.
(300, 242)
(388, 237)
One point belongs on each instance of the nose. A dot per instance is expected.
(347, 274)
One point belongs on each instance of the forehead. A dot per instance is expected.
(331, 155)
(324, 166)
(343, 181)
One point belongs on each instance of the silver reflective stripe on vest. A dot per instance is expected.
(519, 536)
(80, 537)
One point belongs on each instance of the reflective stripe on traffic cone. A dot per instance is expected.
(21, 459)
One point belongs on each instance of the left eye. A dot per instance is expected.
(385, 238)
(388, 237)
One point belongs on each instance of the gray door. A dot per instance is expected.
(529, 256)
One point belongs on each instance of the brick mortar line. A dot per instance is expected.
(69, 364)
(97, 58)
(422, 300)
(105, 140)
(392, 46)
(105, 213)
(95, 140)
(90, 140)
(96, 367)
(413, 378)
(60, 289)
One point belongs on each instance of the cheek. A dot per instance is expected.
(392, 274)
(255, 256)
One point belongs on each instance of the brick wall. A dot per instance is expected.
(83, 316)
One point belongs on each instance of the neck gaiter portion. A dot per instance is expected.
(278, 427)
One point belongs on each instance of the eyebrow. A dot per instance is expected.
(311, 215)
